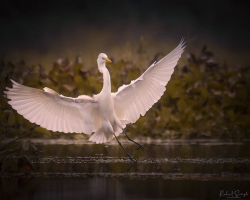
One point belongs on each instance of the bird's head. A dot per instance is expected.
(101, 60)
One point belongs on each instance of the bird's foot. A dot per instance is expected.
(140, 146)
(132, 165)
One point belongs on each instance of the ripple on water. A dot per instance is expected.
(144, 160)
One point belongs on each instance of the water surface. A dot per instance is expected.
(78, 169)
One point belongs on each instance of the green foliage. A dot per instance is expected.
(202, 99)
(42, 131)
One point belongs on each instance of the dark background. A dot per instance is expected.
(203, 100)
(43, 31)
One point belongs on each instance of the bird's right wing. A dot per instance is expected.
(138, 97)
(53, 111)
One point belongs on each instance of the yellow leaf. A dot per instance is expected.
(181, 104)
(42, 131)
(175, 118)
(78, 81)
(76, 68)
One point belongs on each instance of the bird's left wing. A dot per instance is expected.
(53, 111)
(138, 97)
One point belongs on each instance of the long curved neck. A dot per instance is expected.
(106, 80)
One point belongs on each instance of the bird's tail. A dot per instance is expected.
(100, 137)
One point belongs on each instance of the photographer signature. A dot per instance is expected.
(234, 194)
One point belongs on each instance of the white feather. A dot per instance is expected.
(106, 113)
(139, 96)
(53, 111)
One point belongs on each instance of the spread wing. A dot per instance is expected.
(138, 97)
(53, 111)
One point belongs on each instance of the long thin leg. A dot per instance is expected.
(140, 146)
(124, 149)
(132, 165)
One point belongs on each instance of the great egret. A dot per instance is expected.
(106, 114)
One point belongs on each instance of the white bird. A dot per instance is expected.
(106, 114)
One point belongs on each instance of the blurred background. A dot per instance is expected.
(43, 31)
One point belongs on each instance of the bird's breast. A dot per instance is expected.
(106, 107)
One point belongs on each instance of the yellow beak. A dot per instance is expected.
(107, 59)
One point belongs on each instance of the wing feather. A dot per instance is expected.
(138, 97)
(53, 111)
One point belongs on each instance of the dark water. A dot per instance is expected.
(77, 169)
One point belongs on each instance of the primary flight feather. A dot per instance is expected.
(106, 114)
